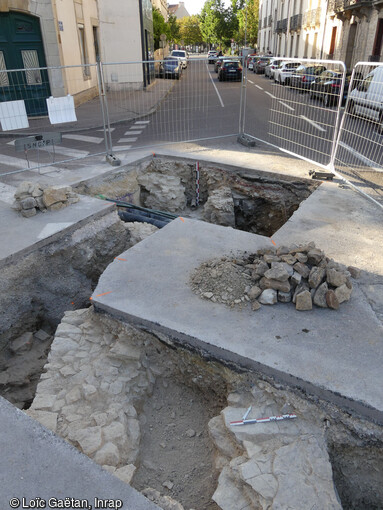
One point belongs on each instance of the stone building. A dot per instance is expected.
(179, 10)
(36, 34)
(347, 30)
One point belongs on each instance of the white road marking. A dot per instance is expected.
(287, 106)
(11, 143)
(260, 88)
(251, 82)
(83, 138)
(52, 228)
(111, 130)
(133, 132)
(371, 164)
(122, 147)
(126, 140)
(271, 95)
(214, 85)
(317, 126)
(142, 122)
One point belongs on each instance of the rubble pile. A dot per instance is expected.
(32, 197)
(299, 274)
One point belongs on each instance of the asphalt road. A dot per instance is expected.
(199, 106)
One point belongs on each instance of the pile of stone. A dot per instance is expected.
(301, 274)
(32, 197)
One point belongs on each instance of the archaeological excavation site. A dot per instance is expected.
(199, 334)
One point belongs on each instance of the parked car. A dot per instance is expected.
(171, 67)
(304, 75)
(251, 63)
(182, 55)
(230, 70)
(260, 64)
(271, 66)
(218, 63)
(284, 71)
(249, 58)
(366, 99)
(212, 56)
(327, 86)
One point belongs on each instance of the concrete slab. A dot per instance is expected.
(339, 357)
(25, 235)
(44, 466)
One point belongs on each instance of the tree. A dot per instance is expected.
(248, 18)
(174, 28)
(159, 27)
(189, 30)
(212, 21)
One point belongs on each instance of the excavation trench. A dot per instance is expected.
(156, 415)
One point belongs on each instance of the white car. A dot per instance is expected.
(283, 72)
(366, 99)
(182, 56)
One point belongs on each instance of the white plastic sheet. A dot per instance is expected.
(13, 115)
(61, 109)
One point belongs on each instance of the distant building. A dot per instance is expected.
(178, 10)
(162, 6)
(347, 30)
(74, 34)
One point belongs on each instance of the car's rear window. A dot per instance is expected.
(231, 65)
(179, 53)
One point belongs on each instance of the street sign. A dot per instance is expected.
(40, 141)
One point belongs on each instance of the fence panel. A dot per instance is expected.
(358, 156)
(304, 106)
(194, 106)
(40, 103)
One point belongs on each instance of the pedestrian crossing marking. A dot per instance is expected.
(84, 138)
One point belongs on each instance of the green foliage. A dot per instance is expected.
(189, 30)
(248, 13)
(159, 27)
(174, 28)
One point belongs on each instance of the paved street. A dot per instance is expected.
(199, 107)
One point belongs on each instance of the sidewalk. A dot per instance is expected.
(122, 106)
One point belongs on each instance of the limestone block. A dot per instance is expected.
(303, 301)
(268, 283)
(90, 440)
(314, 256)
(166, 192)
(261, 268)
(277, 272)
(302, 269)
(57, 206)
(336, 278)
(219, 207)
(254, 292)
(46, 418)
(126, 473)
(343, 293)
(268, 297)
(228, 495)
(28, 213)
(316, 276)
(43, 402)
(28, 203)
(89, 391)
(332, 300)
(124, 351)
(108, 454)
(53, 195)
(284, 297)
(222, 440)
(74, 395)
(62, 345)
(320, 295)
(24, 189)
(114, 432)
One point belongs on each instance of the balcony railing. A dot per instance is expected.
(346, 5)
(296, 22)
(284, 25)
(312, 18)
(278, 26)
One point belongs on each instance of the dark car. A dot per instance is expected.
(327, 87)
(304, 75)
(230, 70)
(171, 67)
(260, 63)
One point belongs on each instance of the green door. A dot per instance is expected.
(21, 47)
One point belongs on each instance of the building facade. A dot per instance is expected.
(347, 30)
(178, 10)
(70, 35)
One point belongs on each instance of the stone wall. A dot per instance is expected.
(38, 288)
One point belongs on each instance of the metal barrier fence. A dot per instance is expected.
(358, 153)
(334, 119)
(102, 109)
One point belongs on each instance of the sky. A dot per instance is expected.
(195, 6)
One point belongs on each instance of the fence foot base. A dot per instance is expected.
(328, 176)
(112, 160)
(246, 140)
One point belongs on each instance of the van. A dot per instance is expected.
(366, 100)
(182, 56)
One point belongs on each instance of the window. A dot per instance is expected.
(84, 54)
(4, 82)
(96, 44)
(31, 63)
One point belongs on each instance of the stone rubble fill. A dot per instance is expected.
(302, 274)
(32, 197)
